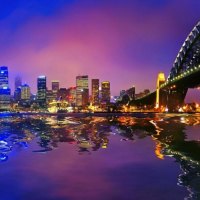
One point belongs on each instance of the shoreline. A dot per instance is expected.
(103, 114)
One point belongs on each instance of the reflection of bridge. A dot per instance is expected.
(184, 74)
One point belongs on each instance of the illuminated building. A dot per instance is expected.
(25, 92)
(62, 94)
(105, 92)
(18, 82)
(3, 76)
(50, 96)
(55, 85)
(82, 91)
(71, 96)
(95, 91)
(4, 89)
(41, 90)
(55, 88)
(17, 94)
(4, 98)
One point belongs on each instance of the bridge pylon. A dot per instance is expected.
(160, 80)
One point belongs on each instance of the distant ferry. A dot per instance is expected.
(58, 106)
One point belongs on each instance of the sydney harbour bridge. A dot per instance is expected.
(184, 74)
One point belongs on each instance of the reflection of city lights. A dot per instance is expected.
(158, 151)
(180, 110)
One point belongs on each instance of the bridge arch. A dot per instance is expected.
(189, 55)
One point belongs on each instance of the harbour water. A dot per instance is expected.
(120, 157)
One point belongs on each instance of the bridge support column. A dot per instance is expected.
(160, 80)
(175, 98)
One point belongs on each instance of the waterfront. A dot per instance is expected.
(138, 156)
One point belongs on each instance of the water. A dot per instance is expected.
(124, 157)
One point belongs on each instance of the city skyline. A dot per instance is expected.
(125, 42)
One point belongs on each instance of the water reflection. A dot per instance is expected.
(91, 133)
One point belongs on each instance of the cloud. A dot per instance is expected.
(121, 42)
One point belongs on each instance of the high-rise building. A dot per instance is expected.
(71, 96)
(3, 76)
(105, 92)
(55, 88)
(4, 89)
(82, 91)
(25, 92)
(95, 91)
(18, 82)
(62, 94)
(131, 93)
(17, 94)
(50, 96)
(41, 90)
(55, 85)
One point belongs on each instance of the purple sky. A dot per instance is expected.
(124, 41)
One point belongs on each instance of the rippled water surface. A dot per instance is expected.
(117, 157)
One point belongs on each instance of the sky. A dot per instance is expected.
(127, 42)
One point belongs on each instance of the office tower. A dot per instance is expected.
(55, 85)
(41, 90)
(131, 93)
(71, 96)
(95, 91)
(3, 76)
(62, 94)
(50, 96)
(82, 91)
(18, 82)
(17, 94)
(4, 89)
(25, 92)
(55, 88)
(105, 92)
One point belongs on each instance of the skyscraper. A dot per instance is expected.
(3, 76)
(95, 91)
(55, 88)
(17, 94)
(55, 85)
(25, 92)
(72, 96)
(82, 91)
(41, 90)
(18, 82)
(105, 92)
(62, 94)
(4, 89)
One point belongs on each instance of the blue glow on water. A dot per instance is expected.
(119, 157)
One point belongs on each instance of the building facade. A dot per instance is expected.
(71, 96)
(95, 92)
(55, 86)
(17, 94)
(62, 94)
(82, 91)
(25, 92)
(18, 82)
(105, 92)
(41, 90)
(4, 89)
